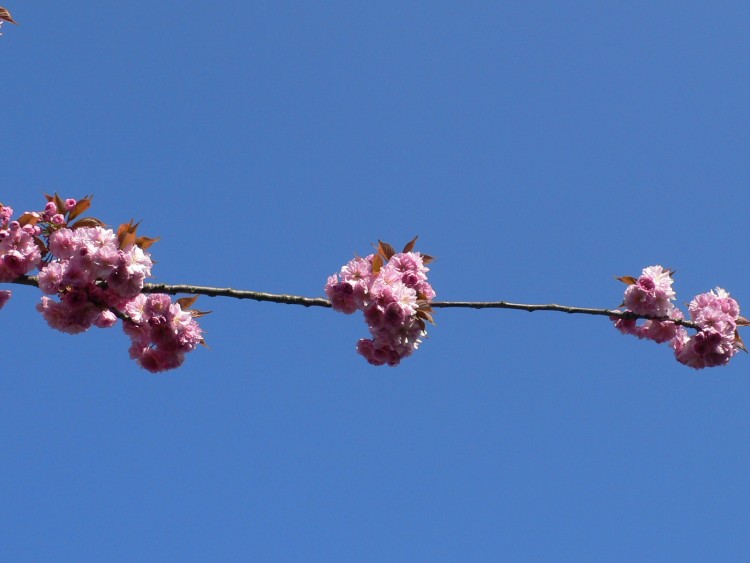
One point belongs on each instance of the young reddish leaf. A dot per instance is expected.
(145, 242)
(385, 249)
(5, 15)
(197, 314)
(59, 203)
(426, 258)
(377, 263)
(425, 315)
(28, 218)
(126, 234)
(740, 344)
(42, 247)
(742, 321)
(629, 280)
(87, 222)
(81, 206)
(186, 302)
(410, 245)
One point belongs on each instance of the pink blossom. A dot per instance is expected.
(390, 301)
(715, 344)
(62, 244)
(346, 297)
(19, 254)
(652, 293)
(106, 319)
(5, 214)
(68, 318)
(4, 297)
(707, 348)
(161, 332)
(51, 276)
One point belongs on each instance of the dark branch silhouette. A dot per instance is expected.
(322, 302)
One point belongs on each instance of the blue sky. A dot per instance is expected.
(538, 149)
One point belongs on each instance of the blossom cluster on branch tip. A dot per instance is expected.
(715, 313)
(94, 276)
(392, 291)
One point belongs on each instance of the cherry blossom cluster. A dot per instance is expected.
(392, 291)
(95, 275)
(161, 332)
(715, 313)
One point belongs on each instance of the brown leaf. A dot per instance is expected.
(385, 249)
(126, 234)
(740, 344)
(42, 247)
(87, 222)
(629, 280)
(426, 258)
(186, 302)
(197, 314)
(377, 263)
(28, 218)
(742, 321)
(410, 245)
(81, 206)
(5, 15)
(59, 203)
(145, 242)
(425, 315)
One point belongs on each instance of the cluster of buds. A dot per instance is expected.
(94, 276)
(392, 291)
(715, 313)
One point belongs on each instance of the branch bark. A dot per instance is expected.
(322, 302)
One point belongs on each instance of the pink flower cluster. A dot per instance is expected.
(715, 313)
(392, 291)
(161, 332)
(90, 275)
(19, 252)
(96, 276)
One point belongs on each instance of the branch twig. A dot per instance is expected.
(321, 302)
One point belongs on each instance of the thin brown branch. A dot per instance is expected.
(321, 302)
(236, 294)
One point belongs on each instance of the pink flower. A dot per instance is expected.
(4, 297)
(161, 332)
(390, 300)
(715, 310)
(62, 244)
(707, 348)
(652, 293)
(19, 254)
(715, 344)
(66, 317)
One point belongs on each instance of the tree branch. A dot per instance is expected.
(321, 302)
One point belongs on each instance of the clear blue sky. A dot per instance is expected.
(537, 148)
